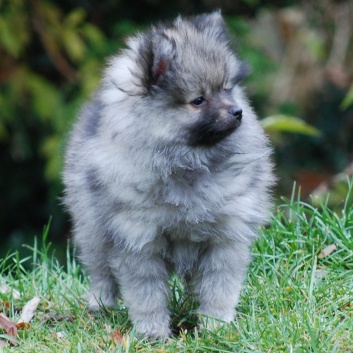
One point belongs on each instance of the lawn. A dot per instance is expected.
(298, 296)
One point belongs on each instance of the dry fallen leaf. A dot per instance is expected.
(21, 325)
(321, 273)
(4, 289)
(29, 310)
(60, 334)
(117, 336)
(327, 251)
(9, 327)
(5, 304)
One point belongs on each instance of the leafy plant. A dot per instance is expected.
(348, 99)
(286, 123)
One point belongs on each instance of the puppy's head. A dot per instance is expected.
(187, 74)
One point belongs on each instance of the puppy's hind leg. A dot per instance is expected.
(104, 289)
(103, 286)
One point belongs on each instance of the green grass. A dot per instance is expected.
(294, 300)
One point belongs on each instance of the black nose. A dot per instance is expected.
(237, 113)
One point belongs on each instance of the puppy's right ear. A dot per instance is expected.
(164, 51)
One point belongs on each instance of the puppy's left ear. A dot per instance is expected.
(163, 54)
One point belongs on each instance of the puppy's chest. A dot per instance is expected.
(186, 178)
(190, 195)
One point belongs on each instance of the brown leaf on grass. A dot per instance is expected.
(59, 335)
(22, 325)
(5, 289)
(5, 304)
(327, 251)
(28, 310)
(117, 336)
(321, 273)
(9, 327)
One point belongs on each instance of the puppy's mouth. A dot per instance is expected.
(210, 132)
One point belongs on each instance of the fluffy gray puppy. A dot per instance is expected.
(168, 170)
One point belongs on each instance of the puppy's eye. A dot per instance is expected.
(228, 87)
(198, 102)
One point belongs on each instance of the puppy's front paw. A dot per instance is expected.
(210, 323)
(153, 325)
(95, 301)
(212, 320)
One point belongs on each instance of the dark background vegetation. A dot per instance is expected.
(52, 52)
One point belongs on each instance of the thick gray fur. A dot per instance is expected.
(148, 195)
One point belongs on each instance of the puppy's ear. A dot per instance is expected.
(244, 70)
(163, 54)
(155, 54)
(213, 25)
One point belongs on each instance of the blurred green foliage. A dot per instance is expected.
(348, 99)
(50, 61)
(286, 123)
(51, 56)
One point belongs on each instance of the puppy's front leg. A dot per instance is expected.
(219, 280)
(143, 282)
